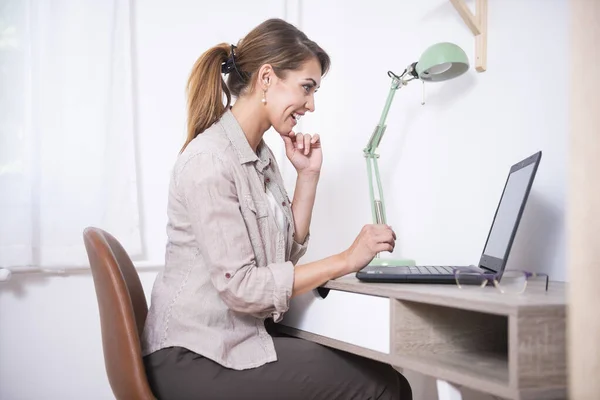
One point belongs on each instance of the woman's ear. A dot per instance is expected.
(265, 75)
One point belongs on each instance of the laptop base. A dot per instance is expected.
(387, 262)
(410, 274)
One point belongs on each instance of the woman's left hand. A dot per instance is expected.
(304, 151)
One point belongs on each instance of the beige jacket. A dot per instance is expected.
(228, 266)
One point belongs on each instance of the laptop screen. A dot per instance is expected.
(508, 214)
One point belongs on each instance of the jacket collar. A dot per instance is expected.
(238, 139)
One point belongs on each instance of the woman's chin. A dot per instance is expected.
(283, 130)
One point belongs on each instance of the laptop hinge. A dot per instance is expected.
(486, 268)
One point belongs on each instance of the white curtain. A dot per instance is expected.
(67, 143)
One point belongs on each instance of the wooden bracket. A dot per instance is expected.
(478, 25)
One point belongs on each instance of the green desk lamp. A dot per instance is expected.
(440, 62)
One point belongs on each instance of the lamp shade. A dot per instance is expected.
(442, 61)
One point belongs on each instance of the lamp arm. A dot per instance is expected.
(378, 205)
(377, 135)
(371, 188)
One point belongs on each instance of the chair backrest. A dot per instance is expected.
(123, 311)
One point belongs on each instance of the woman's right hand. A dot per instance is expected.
(371, 240)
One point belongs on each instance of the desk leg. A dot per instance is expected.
(446, 391)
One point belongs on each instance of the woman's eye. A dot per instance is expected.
(307, 88)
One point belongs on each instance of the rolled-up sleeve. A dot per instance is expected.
(208, 188)
(298, 249)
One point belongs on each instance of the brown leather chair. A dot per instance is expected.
(123, 311)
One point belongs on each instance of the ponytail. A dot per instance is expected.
(205, 88)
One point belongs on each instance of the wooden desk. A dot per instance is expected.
(511, 346)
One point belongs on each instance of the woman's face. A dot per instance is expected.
(290, 98)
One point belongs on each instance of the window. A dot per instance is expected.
(67, 140)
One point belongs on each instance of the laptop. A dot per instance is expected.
(498, 243)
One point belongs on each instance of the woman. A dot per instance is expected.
(234, 238)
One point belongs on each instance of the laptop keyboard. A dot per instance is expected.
(430, 270)
(418, 270)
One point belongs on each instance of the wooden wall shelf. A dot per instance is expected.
(478, 25)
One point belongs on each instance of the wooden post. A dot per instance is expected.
(583, 214)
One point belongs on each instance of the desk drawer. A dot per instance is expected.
(358, 319)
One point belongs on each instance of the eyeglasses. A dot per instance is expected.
(509, 282)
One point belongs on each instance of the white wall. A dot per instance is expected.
(444, 163)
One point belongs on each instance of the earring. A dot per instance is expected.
(264, 99)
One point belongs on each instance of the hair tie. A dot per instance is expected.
(229, 65)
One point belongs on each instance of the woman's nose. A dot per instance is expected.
(310, 104)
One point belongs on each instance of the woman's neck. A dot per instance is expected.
(251, 116)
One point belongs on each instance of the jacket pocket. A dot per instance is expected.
(257, 207)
